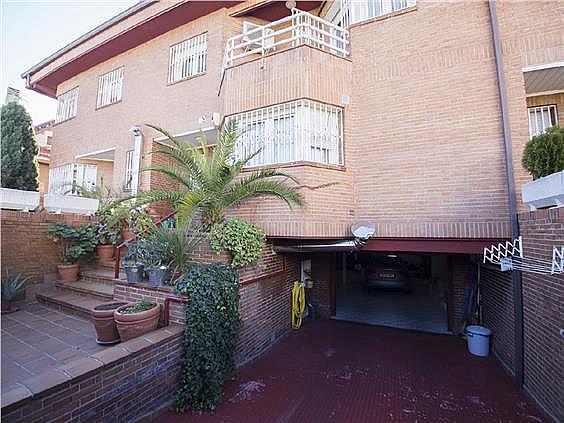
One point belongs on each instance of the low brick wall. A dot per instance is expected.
(123, 383)
(25, 246)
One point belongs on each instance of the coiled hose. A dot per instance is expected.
(298, 304)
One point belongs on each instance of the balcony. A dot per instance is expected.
(300, 28)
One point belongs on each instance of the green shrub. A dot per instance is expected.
(210, 336)
(544, 154)
(73, 242)
(243, 240)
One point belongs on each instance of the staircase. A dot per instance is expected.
(94, 287)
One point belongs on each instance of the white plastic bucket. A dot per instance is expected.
(478, 340)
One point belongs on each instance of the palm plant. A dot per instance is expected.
(211, 181)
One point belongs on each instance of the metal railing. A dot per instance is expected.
(300, 28)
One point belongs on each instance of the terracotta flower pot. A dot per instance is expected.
(68, 273)
(133, 325)
(103, 318)
(126, 234)
(105, 252)
(6, 307)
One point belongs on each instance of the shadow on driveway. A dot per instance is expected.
(345, 372)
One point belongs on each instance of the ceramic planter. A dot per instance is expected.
(103, 318)
(133, 325)
(105, 252)
(157, 276)
(134, 273)
(68, 273)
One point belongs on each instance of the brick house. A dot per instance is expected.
(395, 102)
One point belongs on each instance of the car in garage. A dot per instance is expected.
(386, 272)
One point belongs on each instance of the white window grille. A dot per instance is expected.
(541, 118)
(128, 170)
(69, 178)
(301, 130)
(110, 87)
(353, 11)
(188, 58)
(66, 105)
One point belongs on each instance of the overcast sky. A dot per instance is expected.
(32, 30)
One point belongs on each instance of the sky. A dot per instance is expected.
(31, 30)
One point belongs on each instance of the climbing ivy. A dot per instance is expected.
(243, 240)
(210, 335)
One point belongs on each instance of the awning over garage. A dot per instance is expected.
(544, 79)
(106, 155)
(193, 137)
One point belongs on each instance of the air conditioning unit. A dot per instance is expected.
(252, 34)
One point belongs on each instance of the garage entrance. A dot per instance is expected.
(401, 290)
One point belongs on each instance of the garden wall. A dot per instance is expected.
(123, 383)
(25, 246)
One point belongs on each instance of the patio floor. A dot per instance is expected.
(38, 338)
(346, 372)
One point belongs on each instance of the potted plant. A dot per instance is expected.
(107, 237)
(11, 288)
(155, 256)
(74, 243)
(135, 319)
(131, 264)
(104, 323)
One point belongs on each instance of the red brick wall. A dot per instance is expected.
(321, 273)
(25, 246)
(543, 297)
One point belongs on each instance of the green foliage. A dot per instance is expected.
(243, 240)
(211, 180)
(18, 149)
(143, 305)
(544, 154)
(180, 243)
(122, 214)
(73, 242)
(210, 337)
(12, 286)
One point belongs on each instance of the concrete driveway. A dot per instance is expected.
(345, 372)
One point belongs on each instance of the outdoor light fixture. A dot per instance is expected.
(290, 4)
(135, 130)
(392, 255)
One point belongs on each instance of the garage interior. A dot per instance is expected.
(367, 290)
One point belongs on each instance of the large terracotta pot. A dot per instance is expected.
(103, 318)
(105, 252)
(133, 325)
(68, 273)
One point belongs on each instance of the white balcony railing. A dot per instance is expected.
(16, 199)
(297, 29)
(60, 203)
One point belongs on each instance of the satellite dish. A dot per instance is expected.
(363, 229)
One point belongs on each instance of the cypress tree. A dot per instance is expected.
(18, 148)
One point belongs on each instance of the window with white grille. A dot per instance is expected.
(110, 87)
(301, 130)
(188, 58)
(71, 178)
(66, 105)
(128, 170)
(353, 11)
(541, 118)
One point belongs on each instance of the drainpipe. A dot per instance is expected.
(507, 145)
(137, 146)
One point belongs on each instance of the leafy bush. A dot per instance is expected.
(144, 305)
(544, 154)
(210, 337)
(243, 240)
(73, 242)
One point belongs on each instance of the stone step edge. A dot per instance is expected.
(64, 306)
(83, 292)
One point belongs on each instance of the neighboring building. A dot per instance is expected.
(13, 94)
(397, 102)
(43, 136)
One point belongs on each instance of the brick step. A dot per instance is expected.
(96, 290)
(100, 274)
(68, 302)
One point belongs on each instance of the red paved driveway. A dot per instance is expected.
(333, 371)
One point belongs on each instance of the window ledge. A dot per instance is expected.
(301, 163)
(384, 17)
(63, 121)
(188, 78)
(108, 105)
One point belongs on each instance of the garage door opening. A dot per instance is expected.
(401, 290)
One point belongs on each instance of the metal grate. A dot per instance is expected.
(66, 105)
(66, 178)
(301, 130)
(128, 170)
(541, 118)
(110, 87)
(188, 58)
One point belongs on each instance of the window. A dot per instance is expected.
(353, 11)
(188, 58)
(66, 105)
(109, 87)
(69, 178)
(302, 130)
(541, 118)
(128, 170)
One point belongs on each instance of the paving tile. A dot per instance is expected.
(45, 380)
(11, 396)
(111, 354)
(80, 366)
